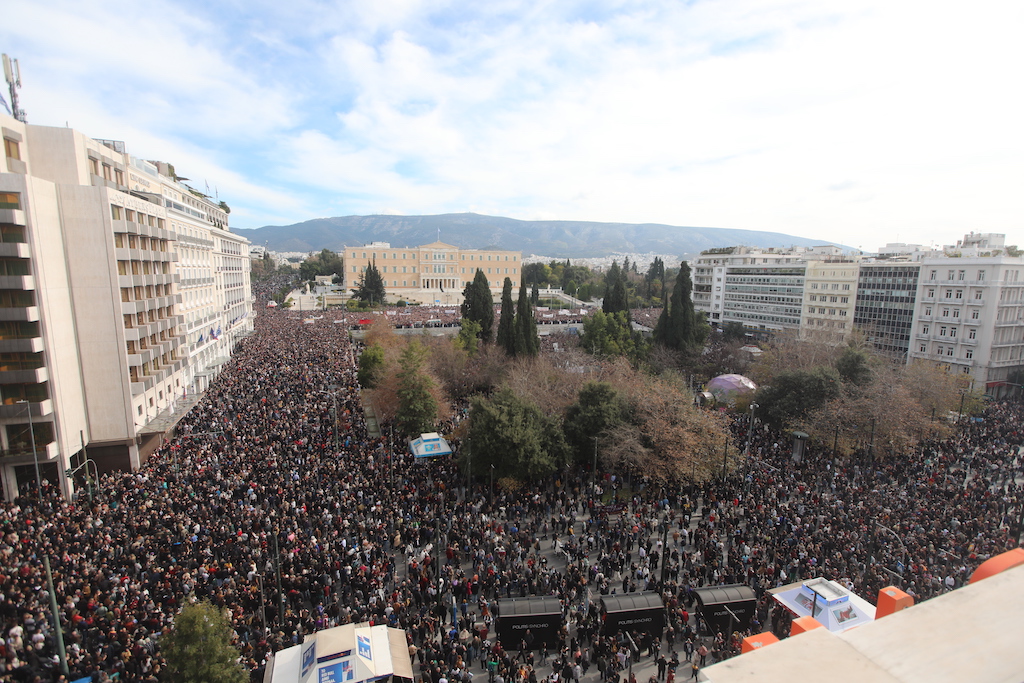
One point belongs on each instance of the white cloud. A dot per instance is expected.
(742, 114)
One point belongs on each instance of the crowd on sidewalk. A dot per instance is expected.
(252, 507)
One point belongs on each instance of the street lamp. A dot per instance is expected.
(32, 439)
(750, 434)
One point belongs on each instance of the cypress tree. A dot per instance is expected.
(526, 341)
(679, 326)
(478, 304)
(506, 329)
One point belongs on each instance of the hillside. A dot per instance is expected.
(563, 239)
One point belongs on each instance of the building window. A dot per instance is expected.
(923, 348)
(115, 212)
(981, 276)
(942, 331)
(959, 275)
(10, 200)
(931, 293)
(949, 351)
(933, 274)
(952, 332)
(969, 354)
(924, 329)
(975, 315)
(960, 293)
(956, 312)
(972, 333)
(977, 295)
(12, 149)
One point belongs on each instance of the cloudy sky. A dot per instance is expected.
(859, 121)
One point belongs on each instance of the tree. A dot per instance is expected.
(468, 338)
(793, 394)
(609, 335)
(655, 278)
(615, 297)
(680, 327)
(734, 331)
(853, 367)
(598, 409)
(417, 407)
(326, 262)
(199, 649)
(371, 365)
(506, 331)
(526, 341)
(514, 436)
(535, 295)
(371, 287)
(478, 304)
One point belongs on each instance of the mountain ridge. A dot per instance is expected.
(555, 238)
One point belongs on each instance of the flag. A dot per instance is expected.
(4, 102)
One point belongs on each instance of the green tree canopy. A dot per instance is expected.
(514, 436)
(526, 341)
(370, 289)
(468, 338)
(417, 407)
(199, 649)
(506, 331)
(615, 297)
(371, 365)
(326, 262)
(680, 327)
(610, 334)
(793, 394)
(478, 304)
(853, 366)
(599, 408)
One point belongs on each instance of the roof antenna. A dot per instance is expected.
(12, 74)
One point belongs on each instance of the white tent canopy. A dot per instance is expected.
(351, 653)
(836, 608)
(428, 445)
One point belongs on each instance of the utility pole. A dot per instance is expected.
(32, 440)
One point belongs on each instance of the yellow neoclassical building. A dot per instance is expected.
(431, 273)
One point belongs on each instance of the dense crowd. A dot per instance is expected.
(273, 502)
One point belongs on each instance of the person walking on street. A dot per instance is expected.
(703, 652)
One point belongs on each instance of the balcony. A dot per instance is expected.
(28, 314)
(45, 452)
(27, 376)
(16, 410)
(13, 216)
(15, 250)
(26, 345)
(22, 282)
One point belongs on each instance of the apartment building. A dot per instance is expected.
(971, 318)
(94, 344)
(830, 296)
(431, 273)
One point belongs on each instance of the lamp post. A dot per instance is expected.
(898, 540)
(593, 478)
(32, 440)
(725, 456)
(750, 435)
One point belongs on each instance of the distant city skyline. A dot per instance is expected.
(863, 122)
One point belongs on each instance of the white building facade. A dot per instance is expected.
(95, 341)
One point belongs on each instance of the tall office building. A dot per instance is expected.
(95, 349)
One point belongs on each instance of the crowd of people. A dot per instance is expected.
(273, 502)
